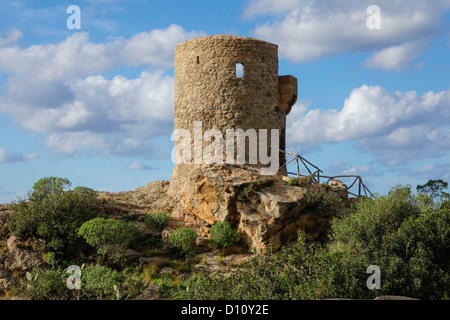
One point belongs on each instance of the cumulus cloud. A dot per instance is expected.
(59, 90)
(398, 58)
(77, 57)
(307, 30)
(6, 157)
(398, 126)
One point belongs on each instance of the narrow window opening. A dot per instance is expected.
(239, 70)
(262, 59)
(198, 59)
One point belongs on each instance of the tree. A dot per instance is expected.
(53, 213)
(434, 188)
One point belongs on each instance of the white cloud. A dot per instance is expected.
(6, 157)
(399, 126)
(398, 58)
(265, 7)
(59, 90)
(136, 165)
(71, 142)
(11, 36)
(435, 171)
(307, 30)
(77, 57)
(341, 168)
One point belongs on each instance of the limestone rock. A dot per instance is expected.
(19, 258)
(149, 293)
(167, 271)
(149, 198)
(131, 255)
(339, 187)
(266, 211)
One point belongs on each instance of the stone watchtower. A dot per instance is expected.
(211, 87)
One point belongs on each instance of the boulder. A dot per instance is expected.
(339, 187)
(149, 293)
(19, 257)
(131, 255)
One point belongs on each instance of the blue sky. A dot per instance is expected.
(95, 105)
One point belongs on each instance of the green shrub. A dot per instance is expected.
(183, 241)
(321, 199)
(244, 193)
(110, 236)
(223, 235)
(407, 236)
(42, 285)
(53, 213)
(100, 283)
(159, 220)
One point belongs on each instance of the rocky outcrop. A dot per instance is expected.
(150, 198)
(266, 211)
(20, 257)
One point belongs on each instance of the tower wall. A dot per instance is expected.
(207, 89)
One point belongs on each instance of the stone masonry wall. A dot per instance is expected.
(208, 90)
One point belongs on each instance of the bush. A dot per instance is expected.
(42, 285)
(407, 236)
(320, 198)
(110, 236)
(182, 241)
(100, 283)
(159, 220)
(223, 235)
(53, 213)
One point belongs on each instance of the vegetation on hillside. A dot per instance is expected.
(405, 234)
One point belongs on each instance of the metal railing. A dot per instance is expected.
(315, 174)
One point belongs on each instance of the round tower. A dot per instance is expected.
(229, 83)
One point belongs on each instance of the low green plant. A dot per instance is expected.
(183, 242)
(159, 220)
(42, 285)
(100, 283)
(223, 235)
(111, 237)
(243, 195)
